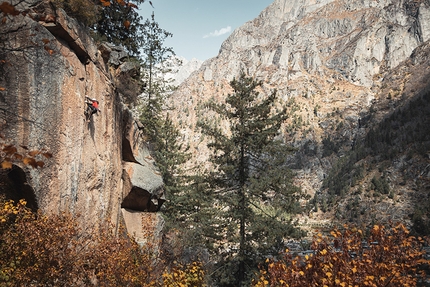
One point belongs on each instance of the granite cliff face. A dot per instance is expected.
(100, 169)
(349, 40)
(330, 60)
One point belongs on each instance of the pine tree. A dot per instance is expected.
(170, 156)
(251, 196)
(157, 88)
(119, 22)
(162, 134)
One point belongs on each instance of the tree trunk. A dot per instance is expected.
(242, 207)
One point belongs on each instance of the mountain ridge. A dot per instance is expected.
(331, 59)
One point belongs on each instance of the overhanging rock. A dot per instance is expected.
(68, 29)
(143, 188)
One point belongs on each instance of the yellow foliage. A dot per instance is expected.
(189, 275)
(390, 257)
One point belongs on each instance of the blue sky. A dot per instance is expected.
(200, 26)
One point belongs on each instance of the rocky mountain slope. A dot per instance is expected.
(180, 69)
(342, 67)
(100, 169)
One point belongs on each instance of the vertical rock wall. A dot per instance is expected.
(48, 70)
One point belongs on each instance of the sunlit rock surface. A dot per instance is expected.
(97, 165)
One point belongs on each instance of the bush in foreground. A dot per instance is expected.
(39, 250)
(386, 257)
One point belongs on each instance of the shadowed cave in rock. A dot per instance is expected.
(127, 153)
(140, 200)
(14, 185)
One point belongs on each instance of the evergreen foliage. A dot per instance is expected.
(404, 131)
(162, 134)
(170, 157)
(157, 88)
(380, 185)
(154, 54)
(120, 24)
(329, 147)
(249, 196)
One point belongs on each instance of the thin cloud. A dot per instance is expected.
(218, 33)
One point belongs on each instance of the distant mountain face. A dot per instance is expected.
(181, 69)
(343, 66)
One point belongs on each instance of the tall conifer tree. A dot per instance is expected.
(251, 196)
(170, 156)
(162, 134)
(154, 70)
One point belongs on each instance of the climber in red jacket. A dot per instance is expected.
(93, 106)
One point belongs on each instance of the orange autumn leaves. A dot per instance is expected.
(388, 257)
(107, 3)
(9, 155)
(40, 250)
(8, 9)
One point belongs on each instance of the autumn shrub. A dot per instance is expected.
(189, 275)
(120, 261)
(386, 257)
(37, 250)
(40, 250)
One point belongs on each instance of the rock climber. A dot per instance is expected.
(93, 106)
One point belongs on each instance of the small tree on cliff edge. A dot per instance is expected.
(120, 24)
(251, 191)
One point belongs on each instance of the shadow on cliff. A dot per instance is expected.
(397, 147)
(91, 127)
